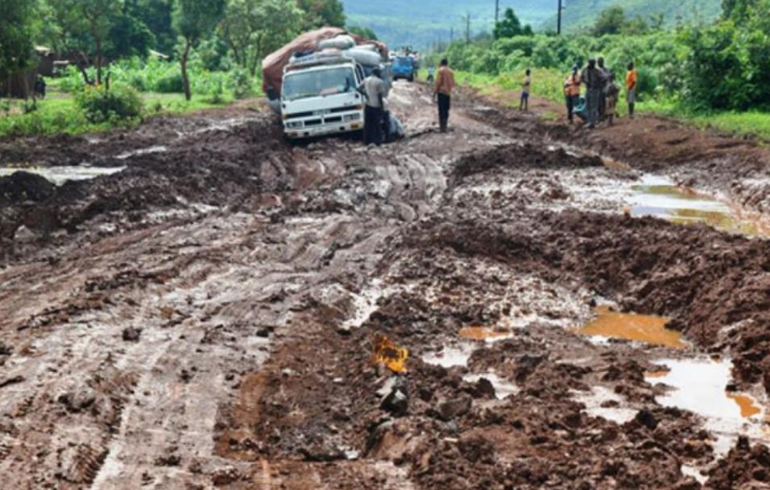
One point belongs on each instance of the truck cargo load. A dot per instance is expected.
(309, 42)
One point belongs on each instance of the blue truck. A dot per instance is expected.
(403, 67)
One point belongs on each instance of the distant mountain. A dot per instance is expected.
(582, 13)
(421, 23)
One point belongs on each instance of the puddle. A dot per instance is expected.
(503, 388)
(60, 175)
(699, 386)
(694, 472)
(662, 198)
(648, 329)
(484, 334)
(603, 403)
(143, 151)
(450, 356)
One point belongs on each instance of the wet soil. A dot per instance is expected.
(213, 314)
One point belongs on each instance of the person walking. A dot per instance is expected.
(525, 88)
(631, 80)
(374, 90)
(442, 89)
(592, 79)
(572, 92)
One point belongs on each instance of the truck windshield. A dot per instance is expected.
(403, 61)
(321, 82)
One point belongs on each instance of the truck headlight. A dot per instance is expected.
(294, 124)
(352, 117)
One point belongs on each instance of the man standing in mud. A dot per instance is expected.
(374, 90)
(605, 74)
(594, 82)
(445, 83)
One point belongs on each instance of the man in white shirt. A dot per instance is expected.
(375, 90)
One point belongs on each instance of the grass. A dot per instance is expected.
(58, 113)
(548, 84)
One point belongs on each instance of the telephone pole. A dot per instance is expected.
(497, 11)
(451, 35)
(467, 27)
(558, 17)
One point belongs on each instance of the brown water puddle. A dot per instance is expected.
(662, 198)
(746, 403)
(656, 374)
(648, 329)
(482, 333)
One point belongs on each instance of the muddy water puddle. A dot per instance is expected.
(503, 388)
(661, 197)
(602, 403)
(647, 329)
(484, 334)
(700, 386)
(60, 175)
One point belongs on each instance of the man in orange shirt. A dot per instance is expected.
(445, 83)
(572, 92)
(631, 78)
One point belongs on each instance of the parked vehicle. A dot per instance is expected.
(319, 96)
(403, 67)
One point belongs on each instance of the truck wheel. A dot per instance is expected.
(411, 78)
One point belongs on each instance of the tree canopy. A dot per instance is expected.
(510, 26)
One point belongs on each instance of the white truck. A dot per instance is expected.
(319, 96)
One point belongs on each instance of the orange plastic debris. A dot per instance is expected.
(390, 355)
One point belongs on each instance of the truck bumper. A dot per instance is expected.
(324, 130)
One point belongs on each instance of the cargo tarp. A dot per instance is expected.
(274, 63)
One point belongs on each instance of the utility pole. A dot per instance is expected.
(558, 21)
(467, 27)
(497, 12)
(451, 35)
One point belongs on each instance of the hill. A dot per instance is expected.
(422, 23)
(580, 14)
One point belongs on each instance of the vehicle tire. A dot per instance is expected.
(411, 78)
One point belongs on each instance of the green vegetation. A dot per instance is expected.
(130, 59)
(706, 75)
(423, 24)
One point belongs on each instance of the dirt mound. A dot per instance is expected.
(522, 156)
(23, 186)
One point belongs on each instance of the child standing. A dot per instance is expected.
(525, 86)
(612, 95)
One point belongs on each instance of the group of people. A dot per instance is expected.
(602, 93)
(375, 92)
(601, 96)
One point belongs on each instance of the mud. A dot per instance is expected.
(210, 316)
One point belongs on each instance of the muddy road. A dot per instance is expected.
(197, 304)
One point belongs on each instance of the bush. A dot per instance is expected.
(119, 103)
(170, 83)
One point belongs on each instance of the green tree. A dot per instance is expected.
(322, 13)
(129, 36)
(610, 21)
(738, 10)
(253, 28)
(17, 26)
(195, 19)
(157, 15)
(510, 26)
(88, 22)
(364, 32)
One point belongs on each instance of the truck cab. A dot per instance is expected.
(403, 67)
(319, 96)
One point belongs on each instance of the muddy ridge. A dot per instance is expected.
(211, 307)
